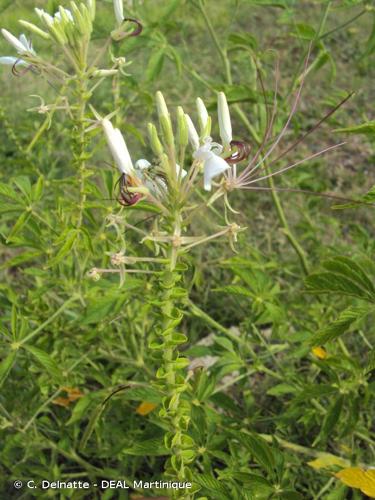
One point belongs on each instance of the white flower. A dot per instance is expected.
(119, 11)
(213, 164)
(118, 147)
(225, 125)
(21, 44)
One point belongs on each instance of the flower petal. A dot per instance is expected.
(193, 134)
(142, 164)
(213, 166)
(118, 147)
(119, 11)
(11, 61)
(14, 41)
(225, 125)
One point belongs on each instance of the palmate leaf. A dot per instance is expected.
(348, 267)
(340, 325)
(343, 276)
(6, 365)
(261, 451)
(150, 447)
(46, 361)
(371, 362)
(213, 485)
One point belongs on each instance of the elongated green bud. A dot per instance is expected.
(156, 145)
(183, 133)
(34, 29)
(165, 119)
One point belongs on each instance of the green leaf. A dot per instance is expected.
(235, 290)
(9, 192)
(150, 447)
(37, 189)
(242, 40)
(335, 283)
(367, 128)
(210, 483)
(340, 325)
(280, 389)
(260, 449)
(349, 268)
(21, 221)
(371, 362)
(304, 31)
(332, 416)
(64, 250)
(155, 65)
(24, 185)
(6, 365)
(80, 409)
(148, 394)
(46, 361)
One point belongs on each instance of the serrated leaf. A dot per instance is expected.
(64, 250)
(371, 362)
(332, 417)
(244, 40)
(150, 447)
(21, 221)
(349, 268)
(46, 361)
(334, 283)
(235, 290)
(261, 451)
(340, 325)
(6, 365)
(9, 192)
(281, 389)
(155, 65)
(210, 483)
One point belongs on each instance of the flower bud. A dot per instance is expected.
(34, 29)
(203, 118)
(225, 125)
(100, 73)
(192, 133)
(183, 133)
(156, 145)
(165, 119)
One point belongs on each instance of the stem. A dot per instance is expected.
(175, 411)
(82, 98)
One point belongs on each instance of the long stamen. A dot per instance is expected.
(285, 127)
(306, 191)
(312, 129)
(330, 148)
(270, 120)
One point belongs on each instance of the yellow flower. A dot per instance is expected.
(145, 408)
(319, 352)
